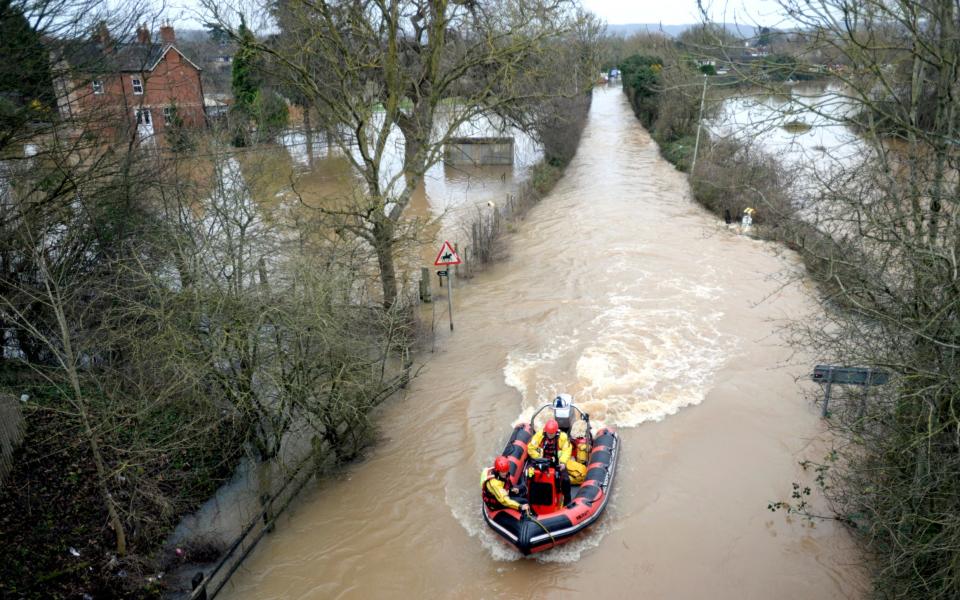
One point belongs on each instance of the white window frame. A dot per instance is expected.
(97, 87)
(167, 115)
(143, 116)
(136, 82)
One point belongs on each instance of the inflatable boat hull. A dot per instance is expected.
(535, 534)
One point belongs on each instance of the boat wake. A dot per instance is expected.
(467, 511)
(649, 351)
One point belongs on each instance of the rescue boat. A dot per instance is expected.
(549, 522)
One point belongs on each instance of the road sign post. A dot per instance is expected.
(446, 258)
(862, 376)
(450, 296)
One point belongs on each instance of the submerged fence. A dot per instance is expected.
(483, 231)
(206, 586)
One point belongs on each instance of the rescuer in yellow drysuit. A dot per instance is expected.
(553, 444)
(494, 487)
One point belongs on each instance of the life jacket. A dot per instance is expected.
(549, 447)
(488, 498)
(581, 450)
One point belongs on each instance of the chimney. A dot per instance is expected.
(102, 36)
(143, 34)
(167, 34)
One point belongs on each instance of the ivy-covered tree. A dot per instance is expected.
(270, 114)
(178, 136)
(641, 81)
(254, 102)
(245, 84)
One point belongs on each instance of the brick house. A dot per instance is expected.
(114, 88)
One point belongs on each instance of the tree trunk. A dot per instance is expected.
(411, 147)
(383, 236)
(70, 364)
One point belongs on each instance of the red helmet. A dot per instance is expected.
(501, 464)
(551, 427)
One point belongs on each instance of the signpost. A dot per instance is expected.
(445, 258)
(862, 376)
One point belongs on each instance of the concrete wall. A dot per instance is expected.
(479, 151)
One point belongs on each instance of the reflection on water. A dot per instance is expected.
(322, 173)
(302, 180)
(803, 127)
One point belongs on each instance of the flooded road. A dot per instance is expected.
(660, 322)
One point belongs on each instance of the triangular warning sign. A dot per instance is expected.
(447, 256)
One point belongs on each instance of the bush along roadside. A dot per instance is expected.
(731, 174)
(58, 543)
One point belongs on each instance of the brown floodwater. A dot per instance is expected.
(661, 322)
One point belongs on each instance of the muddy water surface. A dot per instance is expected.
(660, 322)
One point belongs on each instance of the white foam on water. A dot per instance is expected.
(570, 551)
(466, 509)
(521, 369)
(648, 364)
(646, 355)
(699, 289)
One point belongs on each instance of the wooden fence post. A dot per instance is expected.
(425, 294)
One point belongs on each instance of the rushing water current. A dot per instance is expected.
(661, 322)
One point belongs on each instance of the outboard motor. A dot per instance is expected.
(563, 411)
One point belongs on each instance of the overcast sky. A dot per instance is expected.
(679, 12)
(615, 12)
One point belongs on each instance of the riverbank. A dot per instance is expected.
(55, 543)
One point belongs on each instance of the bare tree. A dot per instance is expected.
(416, 71)
(167, 314)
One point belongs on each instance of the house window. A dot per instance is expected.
(143, 116)
(97, 87)
(167, 115)
(137, 86)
